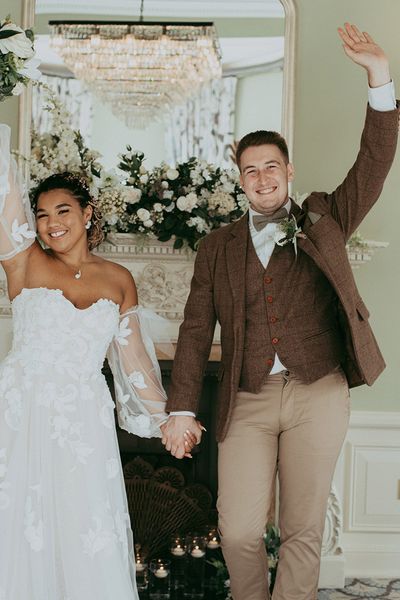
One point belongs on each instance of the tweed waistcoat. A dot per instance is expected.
(290, 309)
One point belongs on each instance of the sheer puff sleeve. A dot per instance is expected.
(140, 396)
(17, 229)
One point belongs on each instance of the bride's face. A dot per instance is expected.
(61, 220)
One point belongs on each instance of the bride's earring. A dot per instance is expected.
(88, 225)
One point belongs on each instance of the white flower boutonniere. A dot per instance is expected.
(287, 232)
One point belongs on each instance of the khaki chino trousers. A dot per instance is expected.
(297, 431)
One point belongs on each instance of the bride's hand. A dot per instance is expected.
(180, 434)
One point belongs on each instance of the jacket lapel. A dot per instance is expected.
(305, 221)
(236, 251)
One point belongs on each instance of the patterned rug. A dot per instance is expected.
(364, 588)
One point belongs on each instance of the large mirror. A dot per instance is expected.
(256, 90)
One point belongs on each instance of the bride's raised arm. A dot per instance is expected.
(140, 396)
(17, 225)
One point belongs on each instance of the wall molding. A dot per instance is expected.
(368, 477)
(362, 419)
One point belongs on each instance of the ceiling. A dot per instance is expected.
(205, 9)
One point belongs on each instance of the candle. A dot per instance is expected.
(197, 552)
(213, 544)
(161, 572)
(140, 567)
(178, 551)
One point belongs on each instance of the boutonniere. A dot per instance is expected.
(287, 232)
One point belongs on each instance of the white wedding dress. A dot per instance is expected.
(64, 524)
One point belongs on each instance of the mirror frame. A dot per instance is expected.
(288, 91)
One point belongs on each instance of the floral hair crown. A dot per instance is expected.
(77, 179)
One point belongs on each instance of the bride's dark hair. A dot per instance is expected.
(78, 187)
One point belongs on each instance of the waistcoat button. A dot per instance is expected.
(269, 299)
(275, 340)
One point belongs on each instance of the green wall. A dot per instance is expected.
(9, 107)
(329, 112)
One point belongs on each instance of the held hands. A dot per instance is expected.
(361, 48)
(180, 434)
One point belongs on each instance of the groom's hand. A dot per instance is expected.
(361, 48)
(180, 434)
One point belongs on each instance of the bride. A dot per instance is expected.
(64, 524)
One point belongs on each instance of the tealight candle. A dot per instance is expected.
(213, 544)
(140, 567)
(178, 551)
(197, 552)
(161, 572)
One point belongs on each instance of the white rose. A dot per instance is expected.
(181, 203)
(192, 198)
(158, 207)
(133, 195)
(142, 169)
(187, 203)
(170, 208)
(148, 223)
(143, 214)
(18, 44)
(172, 174)
(198, 180)
(111, 219)
(167, 194)
(164, 185)
(228, 187)
(144, 178)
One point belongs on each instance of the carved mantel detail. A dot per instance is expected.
(333, 525)
(163, 274)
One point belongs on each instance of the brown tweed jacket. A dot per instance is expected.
(217, 288)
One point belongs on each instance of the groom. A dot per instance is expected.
(294, 338)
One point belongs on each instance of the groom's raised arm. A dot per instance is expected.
(192, 353)
(353, 198)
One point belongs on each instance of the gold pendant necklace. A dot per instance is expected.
(77, 272)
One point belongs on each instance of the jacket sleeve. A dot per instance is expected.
(140, 396)
(17, 228)
(195, 339)
(361, 188)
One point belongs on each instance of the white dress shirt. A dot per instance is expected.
(381, 98)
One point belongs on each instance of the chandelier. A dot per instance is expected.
(140, 69)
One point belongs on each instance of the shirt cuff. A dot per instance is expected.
(382, 98)
(182, 413)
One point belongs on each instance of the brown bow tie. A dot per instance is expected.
(260, 221)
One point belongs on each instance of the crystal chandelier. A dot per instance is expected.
(141, 69)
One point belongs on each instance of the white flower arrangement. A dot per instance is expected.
(182, 203)
(17, 63)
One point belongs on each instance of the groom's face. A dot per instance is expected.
(264, 177)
